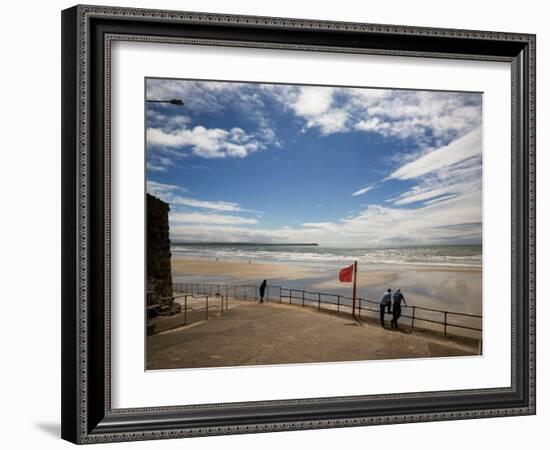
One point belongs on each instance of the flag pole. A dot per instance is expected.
(354, 286)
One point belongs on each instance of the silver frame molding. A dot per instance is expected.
(87, 35)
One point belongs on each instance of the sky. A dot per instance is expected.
(338, 166)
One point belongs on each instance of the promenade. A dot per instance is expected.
(250, 333)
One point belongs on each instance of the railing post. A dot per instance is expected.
(245, 289)
(290, 297)
(185, 310)
(303, 298)
(319, 307)
(338, 305)
(280, 294)
(445, 329)
(221, 304)
(207, 307)
(360, 307)
(412, 320)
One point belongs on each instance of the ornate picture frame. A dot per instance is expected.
(88, 33)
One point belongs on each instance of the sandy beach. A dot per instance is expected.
(440, 287)
(240, 271)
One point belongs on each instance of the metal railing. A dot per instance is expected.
(224, 303)
(201, 310)
(336, 302)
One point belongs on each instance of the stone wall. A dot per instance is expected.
(159, 272)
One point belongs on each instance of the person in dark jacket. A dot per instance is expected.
(262, 290)
(385, 300)
(398, 297)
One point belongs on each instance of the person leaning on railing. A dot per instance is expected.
(385, 300)
(398, 297)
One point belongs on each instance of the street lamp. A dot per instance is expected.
(174, 101)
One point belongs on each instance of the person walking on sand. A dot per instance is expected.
(385, 300)
(262, 290)
(398, 297)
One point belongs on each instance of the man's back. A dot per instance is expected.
(398, 298)
(386, 299)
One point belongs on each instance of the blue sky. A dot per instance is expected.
(333, 165)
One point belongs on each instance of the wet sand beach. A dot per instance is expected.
(440, 287)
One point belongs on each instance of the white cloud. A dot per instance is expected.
(215, 205)
(156, 168)
(210, 219)
(415, 114)
(364, 190)
(422, 115)
(171, 193)
(445, 176)
(333, 121)
(449, 188)
(457, 151)
(207, 97)
(206, 142)
(158, 163)
(418, 194)
(399, 113)
(167, 121)
(441, 199)
(373, 124)
(453, 220)
(313, 101)
(317, 224)
(163, 191)
(313, 104)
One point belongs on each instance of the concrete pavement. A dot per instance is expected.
(269, 333)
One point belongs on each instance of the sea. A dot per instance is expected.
(323, 256)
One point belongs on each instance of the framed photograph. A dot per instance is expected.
(280, 224)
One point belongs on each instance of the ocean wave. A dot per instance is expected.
(456, 256)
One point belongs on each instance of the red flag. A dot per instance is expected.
(346, 275)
